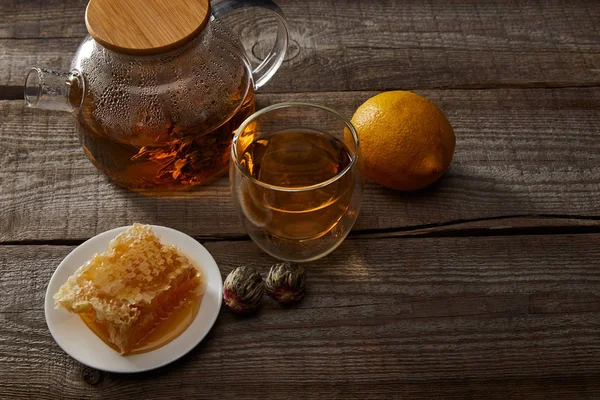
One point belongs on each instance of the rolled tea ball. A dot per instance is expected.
(243, 289)
(286, 282)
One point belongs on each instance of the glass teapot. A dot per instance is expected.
(158, 87)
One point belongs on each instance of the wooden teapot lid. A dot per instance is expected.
(145, 26)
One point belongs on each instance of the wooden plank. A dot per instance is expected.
(520, 153)
(499, 317)
(42, 19)
(347, 45)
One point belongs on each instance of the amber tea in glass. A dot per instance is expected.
(296, 179)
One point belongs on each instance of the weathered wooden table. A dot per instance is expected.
(486, 284)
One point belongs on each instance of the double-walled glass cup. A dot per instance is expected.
(296, 179)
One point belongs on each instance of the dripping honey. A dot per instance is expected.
(167, 330)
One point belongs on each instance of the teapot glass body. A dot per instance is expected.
(160, 121)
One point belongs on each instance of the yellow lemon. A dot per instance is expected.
(407, 142)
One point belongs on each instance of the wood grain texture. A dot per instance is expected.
(468, 289)
(519, 153)
(501, 317)
(345, 45)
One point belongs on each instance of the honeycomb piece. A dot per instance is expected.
(131, 287)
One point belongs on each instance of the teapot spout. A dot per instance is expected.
(51, 90)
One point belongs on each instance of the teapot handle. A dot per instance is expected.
(274, 59)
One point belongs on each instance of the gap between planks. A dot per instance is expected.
(16, 92)
(459, 228)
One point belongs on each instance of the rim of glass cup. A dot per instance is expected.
(289, 104)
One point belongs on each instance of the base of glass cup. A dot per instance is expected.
(326, 252)
(296, 250)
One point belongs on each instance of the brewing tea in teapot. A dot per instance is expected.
(157, 95)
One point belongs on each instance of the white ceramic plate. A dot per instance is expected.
(77, 340)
